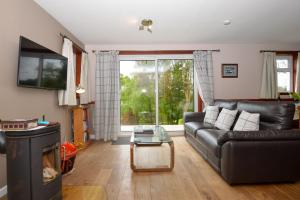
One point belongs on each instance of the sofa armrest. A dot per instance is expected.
(260, 161)
(193, 117)
(263, 135)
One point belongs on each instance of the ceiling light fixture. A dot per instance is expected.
(146, 24)
(226, 22)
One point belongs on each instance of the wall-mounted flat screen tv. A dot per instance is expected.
(39, 67)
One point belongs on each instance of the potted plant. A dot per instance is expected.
(295, 96)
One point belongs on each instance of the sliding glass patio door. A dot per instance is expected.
(175, 90)
(137, 92)
(156, 90)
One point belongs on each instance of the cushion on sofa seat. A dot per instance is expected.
(211, 114)
(226, 119)
(192, 127)
(209, 138)
(247, 122)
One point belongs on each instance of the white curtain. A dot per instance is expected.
(91, 81)
(297, 84)
(107, 102)
(84, 73)
(204, 76)
(269, 76)
(68, 96)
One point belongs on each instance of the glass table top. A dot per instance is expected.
(150, 135)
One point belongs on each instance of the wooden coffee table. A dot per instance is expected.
(159, 137)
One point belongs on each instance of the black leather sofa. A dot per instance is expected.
(271, 154)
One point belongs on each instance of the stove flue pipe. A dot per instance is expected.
(2, 143)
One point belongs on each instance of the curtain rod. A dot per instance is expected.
(94, 51)
(262, 51)
(159, 51)
(76, 45)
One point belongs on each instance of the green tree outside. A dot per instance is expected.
(175, 86)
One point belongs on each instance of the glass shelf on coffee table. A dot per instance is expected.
(150, 136)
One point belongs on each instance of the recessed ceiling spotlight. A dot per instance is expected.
(226, 22)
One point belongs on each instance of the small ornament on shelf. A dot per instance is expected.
(18, 124)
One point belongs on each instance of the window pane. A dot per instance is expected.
(137, 92)
(175, 87)
(282, 63)
(284, 81)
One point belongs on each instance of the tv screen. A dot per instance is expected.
(39, 67)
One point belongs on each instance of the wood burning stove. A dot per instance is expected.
(51, 162)
(33, 164)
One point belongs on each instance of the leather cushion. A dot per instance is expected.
(209, 139)
(193, 117)
(262, 135)
(192, 127)
(228, 104)
(273, 114)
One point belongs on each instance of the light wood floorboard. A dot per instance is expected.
(192, 178)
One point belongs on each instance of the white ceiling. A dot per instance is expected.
(178, 21)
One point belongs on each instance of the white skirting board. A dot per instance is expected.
(3, 191)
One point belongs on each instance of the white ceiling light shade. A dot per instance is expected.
(146, 24)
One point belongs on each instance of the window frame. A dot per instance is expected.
(294, 55)
(289, 69)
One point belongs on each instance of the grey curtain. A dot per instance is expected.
(107, 102)
(204, 76)
(269, 76)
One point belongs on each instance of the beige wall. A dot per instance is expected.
(247, 56)
(26, 18)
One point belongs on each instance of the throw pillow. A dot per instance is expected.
(211, 114)
(225, 119)
(247, 122)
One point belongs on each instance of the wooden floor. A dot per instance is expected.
(192, 178)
